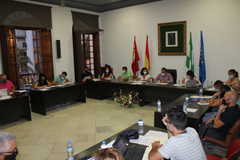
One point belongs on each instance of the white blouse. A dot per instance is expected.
(141, 77)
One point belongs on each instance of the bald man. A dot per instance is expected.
(226, 117)
(8, 147)
(6, 84)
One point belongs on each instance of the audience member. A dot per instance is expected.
(42, 81)
(187, 77)
(108, 72)
(183, 143)
(191, 80)
(145, 76)
(228, 113)
(108, 154)
(61, 78)
(164, 77)
(217, 84)
(125, 75)
(8, 146)
(6, 84)
(86, 74)
(233, 80)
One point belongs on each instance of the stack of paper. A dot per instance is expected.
(43, 89)
(178, 85)
(202, 103)
(206, 97)
(142, 140)
(159, 83)
(5, 97)
(193, 110)
(20, 91)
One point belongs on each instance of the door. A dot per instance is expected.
(9, 54)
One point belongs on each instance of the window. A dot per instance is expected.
(89, 50)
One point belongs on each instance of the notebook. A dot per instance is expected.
(4, 92)
(127, 152)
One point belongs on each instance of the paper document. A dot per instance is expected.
(20, 91)
(210, 89)
(141, 140)
(5, 97)
(178, 85)
(193, 110)
(152, 133)
(153, 139)
(206, 97)
(43, 89)
(96, 79)
(107, 78)
(159, 83)
(109, 145)
(202, 103)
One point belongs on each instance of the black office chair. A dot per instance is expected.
(173, 72)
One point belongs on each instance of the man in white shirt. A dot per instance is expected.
(183, 143)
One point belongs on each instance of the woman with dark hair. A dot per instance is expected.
(107, 154)
(189, 76)
(107, 73)
(144, 75)
(215, 103)
(233, 80)
(42, 82)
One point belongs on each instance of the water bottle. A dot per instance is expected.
(179, 81)
(211, 84)
(140, 126)
(185, 107)
(207, 83)
(112, 77)
(70, 151)
(187, 99)
(150, 80)
(159, 105)
(129, 79)
(62, 83)
(201, 92)
(98, 76)
(0, 94)
(70, 80)
(103, 145)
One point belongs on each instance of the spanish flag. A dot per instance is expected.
(147, 61)
(135, 58)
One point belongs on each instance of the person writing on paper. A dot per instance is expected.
(215, 103)
(144, 75)
(180, 139)
(60, 78)
(227, 115)
(107, 73)
(125, 74)
(164, 77)
(188, 76)
(233, 80)
(107, 154)
(8, 146)
(86, 75)
(42, 82)
(6, 84)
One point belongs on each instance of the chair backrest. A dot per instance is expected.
(235, 128)
(234, 148)
(173, 72)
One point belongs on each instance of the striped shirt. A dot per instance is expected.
(185, 146)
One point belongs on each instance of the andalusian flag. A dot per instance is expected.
(135, 58)
(189, 58)
(147, 61)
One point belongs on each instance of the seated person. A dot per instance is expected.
(8, 149)
(61, 78)
(217, 84)
(86, 75)
(187, 76)
(108, 72)
(215, 103)
(228, 114)
(191, 82)
(164, 77)
(6, 84)
(233, 80)
(183, 143)
(42, 82)
(107, 154)
(144, 75)
(125, 74)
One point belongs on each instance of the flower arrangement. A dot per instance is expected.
(126, 100)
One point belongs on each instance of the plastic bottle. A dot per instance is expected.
(70, 151)
(112, 77)
(150, 80)
(211, 84)
(103, 145)
(70, 80)
(185, 107)
(159, 105)
(140, 126)
(62, 83)
(98, 76)
(207, 83)
(179, 81)
(129, 79)
(201, 92)
(187, 99)
(0, 94)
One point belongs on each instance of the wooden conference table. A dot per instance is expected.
(194, 119)
(147, 92)
(42, 99)
(114, 137)
(15, 107)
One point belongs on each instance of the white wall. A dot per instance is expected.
(218, 19)
(1, 64)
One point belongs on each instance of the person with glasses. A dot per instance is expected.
(8, 147)
(107, 154)
(183, 143)
(227, 115)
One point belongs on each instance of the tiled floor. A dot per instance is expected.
(85, 124)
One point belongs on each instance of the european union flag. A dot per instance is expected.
(202, 68)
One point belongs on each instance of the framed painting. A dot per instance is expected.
(172, 38)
